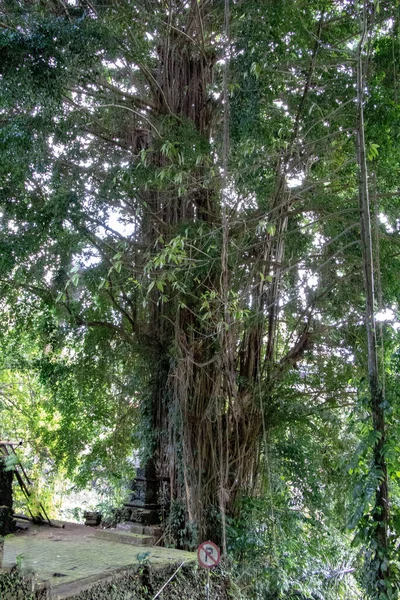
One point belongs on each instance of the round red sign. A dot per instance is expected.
(208, 555)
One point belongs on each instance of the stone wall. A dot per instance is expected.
(144, 582)
(136, 583)
(13, 586)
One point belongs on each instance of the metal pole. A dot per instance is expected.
(208, 584)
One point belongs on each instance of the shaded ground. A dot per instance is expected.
(74, 555)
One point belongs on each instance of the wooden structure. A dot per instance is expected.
(7, 449)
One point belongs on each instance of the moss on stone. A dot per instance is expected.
(143, 582)
(14, 586)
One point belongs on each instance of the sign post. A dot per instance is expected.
(208, 556)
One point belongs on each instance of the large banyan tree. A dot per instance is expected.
(181, 174)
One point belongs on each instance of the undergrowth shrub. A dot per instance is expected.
(284, 553)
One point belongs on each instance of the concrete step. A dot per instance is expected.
(124, 537)
(133, 528)
(139, 528)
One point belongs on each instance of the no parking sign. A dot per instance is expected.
(208, 555)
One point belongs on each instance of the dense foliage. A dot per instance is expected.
(183, 268)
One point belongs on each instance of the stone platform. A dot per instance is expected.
(124, 537)
(72, 559)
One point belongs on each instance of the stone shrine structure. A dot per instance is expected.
(144, 505)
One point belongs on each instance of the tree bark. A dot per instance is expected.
(6, 500)
(381, 508)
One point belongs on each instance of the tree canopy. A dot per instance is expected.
(185, 187)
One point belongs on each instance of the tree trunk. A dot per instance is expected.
(207, 432)
(381, 508)
(6, 500)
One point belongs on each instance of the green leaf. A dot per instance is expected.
(372, 151)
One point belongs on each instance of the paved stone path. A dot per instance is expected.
(63, 556)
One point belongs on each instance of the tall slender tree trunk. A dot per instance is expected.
(381, 508)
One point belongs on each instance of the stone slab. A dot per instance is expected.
(124, 537)
(134, 528)
(75, 556)
(153, 530)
